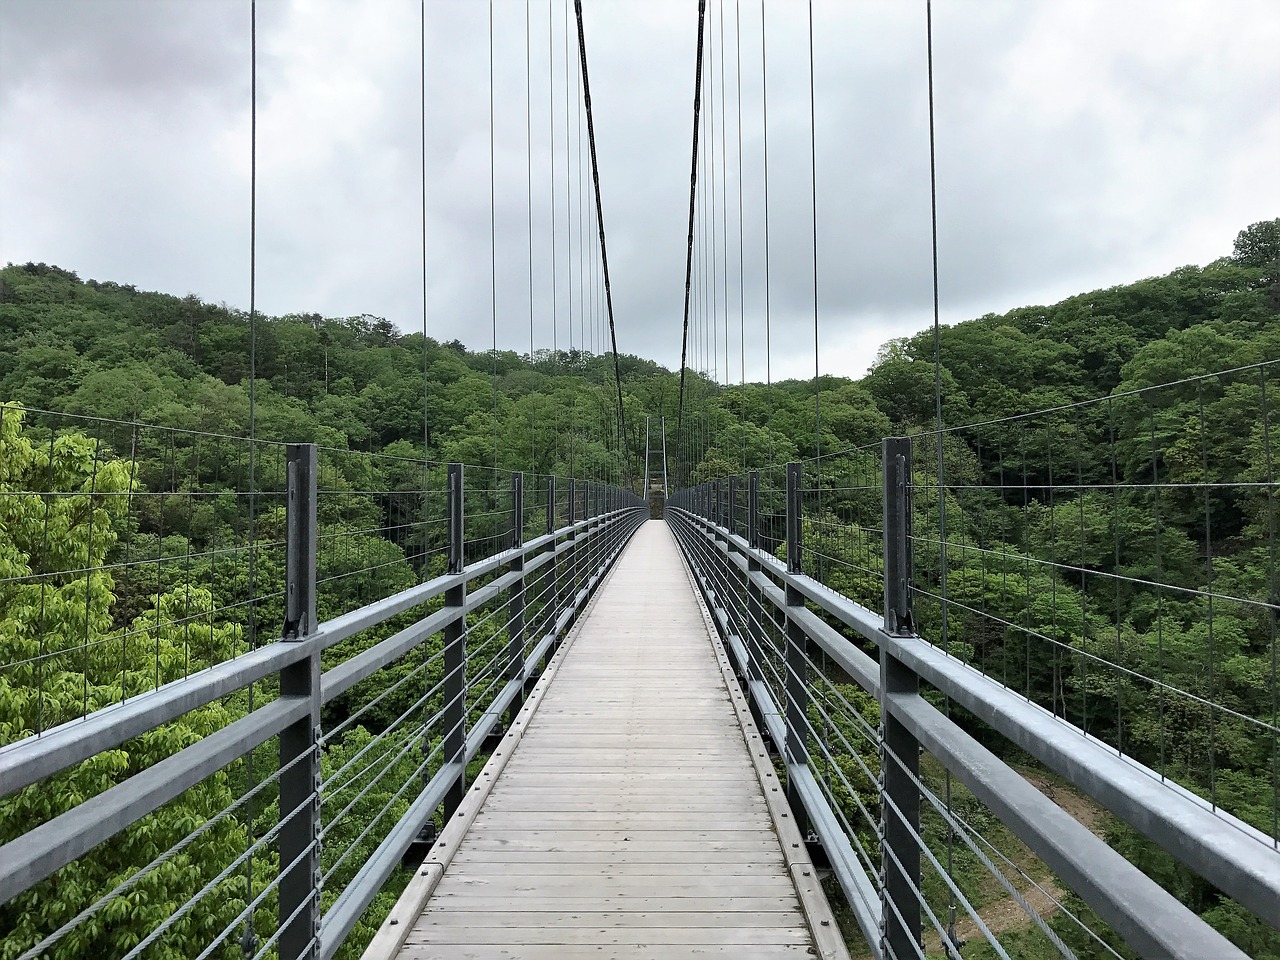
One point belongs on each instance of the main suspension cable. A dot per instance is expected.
(604, 250)
(693, 197)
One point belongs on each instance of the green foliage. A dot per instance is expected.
(1044, 580)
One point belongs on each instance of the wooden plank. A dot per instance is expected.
(581, 951)
(557, 845)
(617, 906)
(693, 839)
(617, 805)
(622, 820)
(770, 919)
(673, 884)
(605, 934)
(619, 869)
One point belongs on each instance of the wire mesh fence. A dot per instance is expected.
(133, 555)
(150, 766)
(1115, 562)
(1112, 565)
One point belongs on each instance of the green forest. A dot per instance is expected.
(1103, 498)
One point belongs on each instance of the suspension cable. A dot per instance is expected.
(937, 407)
(249, 935)
(604, 250)
(724, 199)
(813, 193)
(742, 307)
(551, 153)
(426, 421)
(693, 196)
(768, 305)
(493, 250)
(528, 134)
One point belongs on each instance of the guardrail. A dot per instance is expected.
(499, 615)
(854, 700)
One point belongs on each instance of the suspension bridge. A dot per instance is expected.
(752, 715)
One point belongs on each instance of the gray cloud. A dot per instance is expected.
(1079, 145)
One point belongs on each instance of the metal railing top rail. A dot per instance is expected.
(31, 759)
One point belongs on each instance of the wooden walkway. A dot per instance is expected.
(630, 819)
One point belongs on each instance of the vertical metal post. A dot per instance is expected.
(731, 516)
(551, 504)
(515, 597)
(718, 500)
(900, 920)
(665, 488)
(454, 686)
(552, 603)
(300, 784)
(897, 539)
(793, 517)
(738, 601)
(756, 637)
(797, 687)
(572, 552)
(589, 539)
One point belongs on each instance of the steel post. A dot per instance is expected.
(731, 515)
(572, 553)
(794, 504)
(515, 596)
(299, 842)
(796, 684)
(897, 537)
(551, 602)
(900, 918)
(755, 638)
(454, 687)
(718, 501)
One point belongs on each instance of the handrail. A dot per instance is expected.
(768, 608)
(566, 564)
(30, 760)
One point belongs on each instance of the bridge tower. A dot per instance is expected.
(655, 476)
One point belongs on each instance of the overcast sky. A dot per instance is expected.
(1080, 143)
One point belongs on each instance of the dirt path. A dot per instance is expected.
(1003, 915)
(1007, 914)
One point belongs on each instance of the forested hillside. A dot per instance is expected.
(1139, 528)
(109, 350)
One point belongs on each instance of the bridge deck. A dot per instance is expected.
(630, 819)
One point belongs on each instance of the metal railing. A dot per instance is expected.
(889, 741)
(312, 765)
